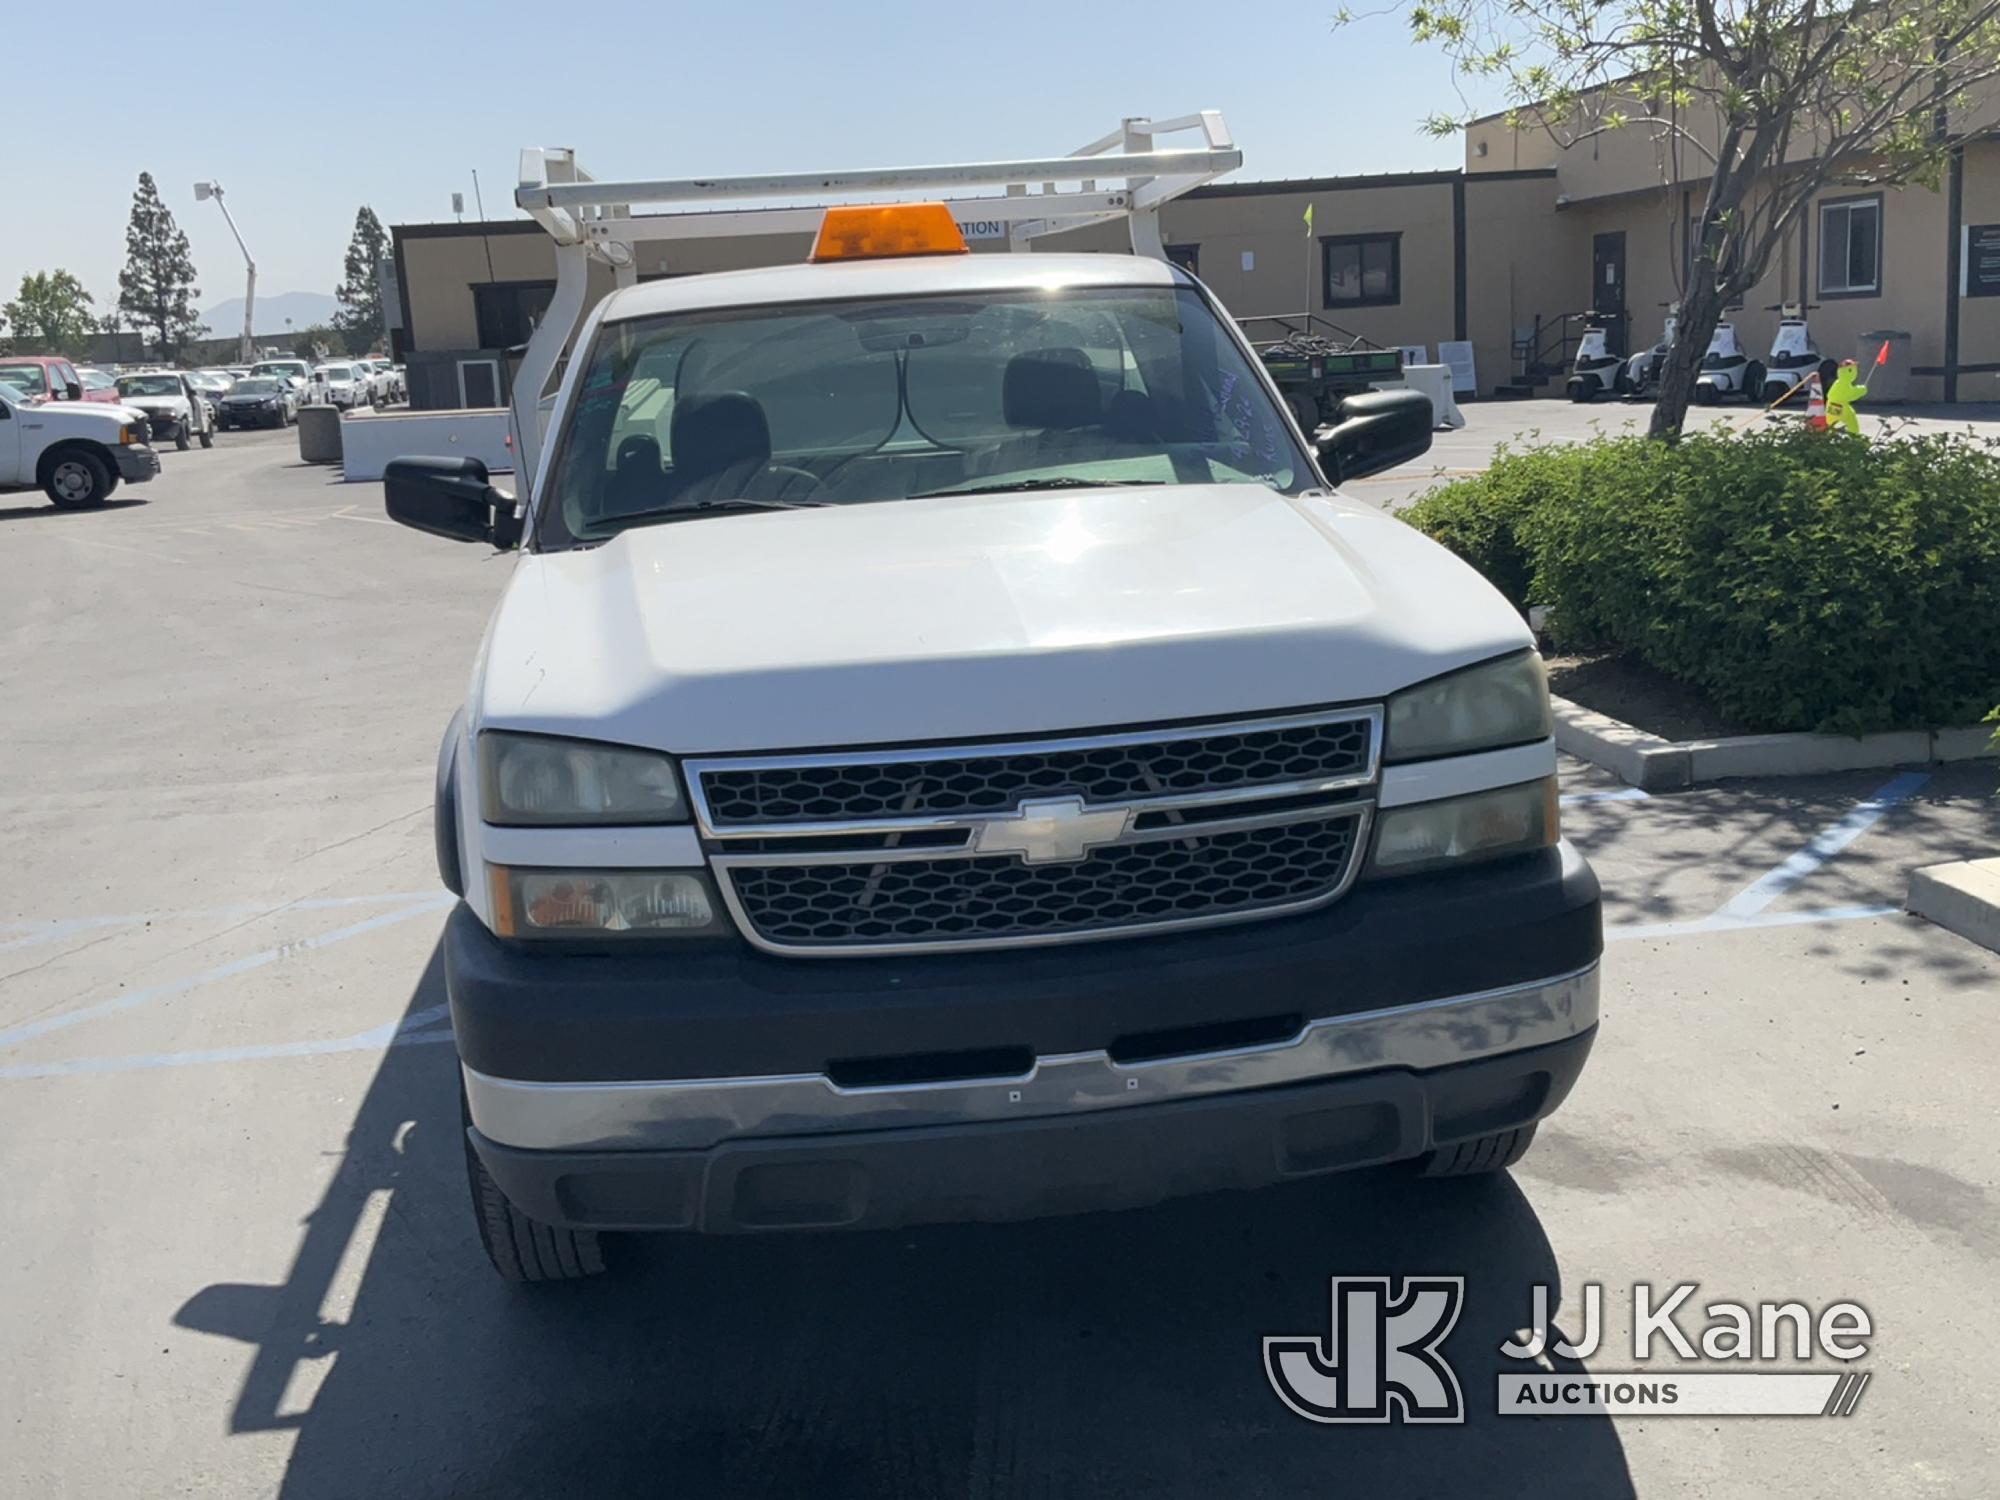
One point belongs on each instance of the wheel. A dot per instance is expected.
(208, 437)
(1583, 392)
(1482, 1154)
(1753, 382)
(78, 480)
(1705, 394)
(521, 1248)
(181, 437)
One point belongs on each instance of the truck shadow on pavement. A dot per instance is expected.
(29, 510)
(1112, 1354)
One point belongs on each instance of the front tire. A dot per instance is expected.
(78, 481)
(181, 437)
(524, 1249)
(208, 438)
(1479, 1156)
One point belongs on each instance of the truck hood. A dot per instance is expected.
(968, 616)
(97, 419)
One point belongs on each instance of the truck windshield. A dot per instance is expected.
(150, 385)
(855, 402)
(27, 379)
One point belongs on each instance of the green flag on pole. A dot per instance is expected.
(1309, 218)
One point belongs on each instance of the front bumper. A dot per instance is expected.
(1055, 1164)
(136, 462)
(636, 1088)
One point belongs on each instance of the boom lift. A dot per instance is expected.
(1121, 175)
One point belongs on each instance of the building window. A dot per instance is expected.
(507, 311)
(1362, 270)
(1187, 257)
(1850, 247)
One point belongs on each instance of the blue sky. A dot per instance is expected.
(305, 111)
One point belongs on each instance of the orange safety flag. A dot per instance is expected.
(1883, 357)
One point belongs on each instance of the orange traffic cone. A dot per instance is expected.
(1815, 405)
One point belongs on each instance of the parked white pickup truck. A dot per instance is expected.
(77, 452)
(946, 751)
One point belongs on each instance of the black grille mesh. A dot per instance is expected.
(968, 899)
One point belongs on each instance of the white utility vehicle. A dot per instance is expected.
(1726, 371)
(343, 385)
(1794, 355)
(174, 406)
(1596, 371)
(945, 751)
(1644, 369)
(76, 452)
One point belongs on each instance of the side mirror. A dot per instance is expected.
(1377, 430)
(450, 497)
(74, 391)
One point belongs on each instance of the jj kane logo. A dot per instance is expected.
(1381, 1362)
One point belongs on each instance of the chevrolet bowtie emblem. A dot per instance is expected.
(1054, 830)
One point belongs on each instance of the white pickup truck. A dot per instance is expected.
(946, 751)
(76, 452)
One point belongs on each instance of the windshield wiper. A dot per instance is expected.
(1035, 484)
(705, 508)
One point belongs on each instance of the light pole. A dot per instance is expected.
(214, 190)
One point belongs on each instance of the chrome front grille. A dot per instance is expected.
(1039, 841)
(1120, 769)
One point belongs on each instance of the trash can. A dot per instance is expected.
(1890, 380)
(319, 434)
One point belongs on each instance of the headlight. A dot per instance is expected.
(129, 434)
(1503, 702)
(600, 903)
(1484, 825)
(530, 779)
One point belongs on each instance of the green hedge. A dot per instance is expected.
(1798, 580)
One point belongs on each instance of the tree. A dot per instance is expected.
(1771, 101)
(318, 342)
(360, 290)
(51, 315)
(156, 289)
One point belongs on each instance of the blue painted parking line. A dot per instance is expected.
(409, 1032)
(1761, 892)
(136, 998)
(53, 929)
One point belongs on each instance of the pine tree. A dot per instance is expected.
(156, 289)
(360, 290)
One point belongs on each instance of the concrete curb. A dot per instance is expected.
(1962, 897)
(1657, 765)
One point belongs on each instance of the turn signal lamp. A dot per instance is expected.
(886, 230)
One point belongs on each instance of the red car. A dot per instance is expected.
(42, 377)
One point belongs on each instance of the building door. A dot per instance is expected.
(1607, 285)
(478, 383)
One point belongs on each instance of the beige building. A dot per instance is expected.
(1499, 256)
(1912, 260)
(1416, 258)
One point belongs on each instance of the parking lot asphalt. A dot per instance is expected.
(242, 1263)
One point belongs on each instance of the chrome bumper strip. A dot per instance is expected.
(694, 1113)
